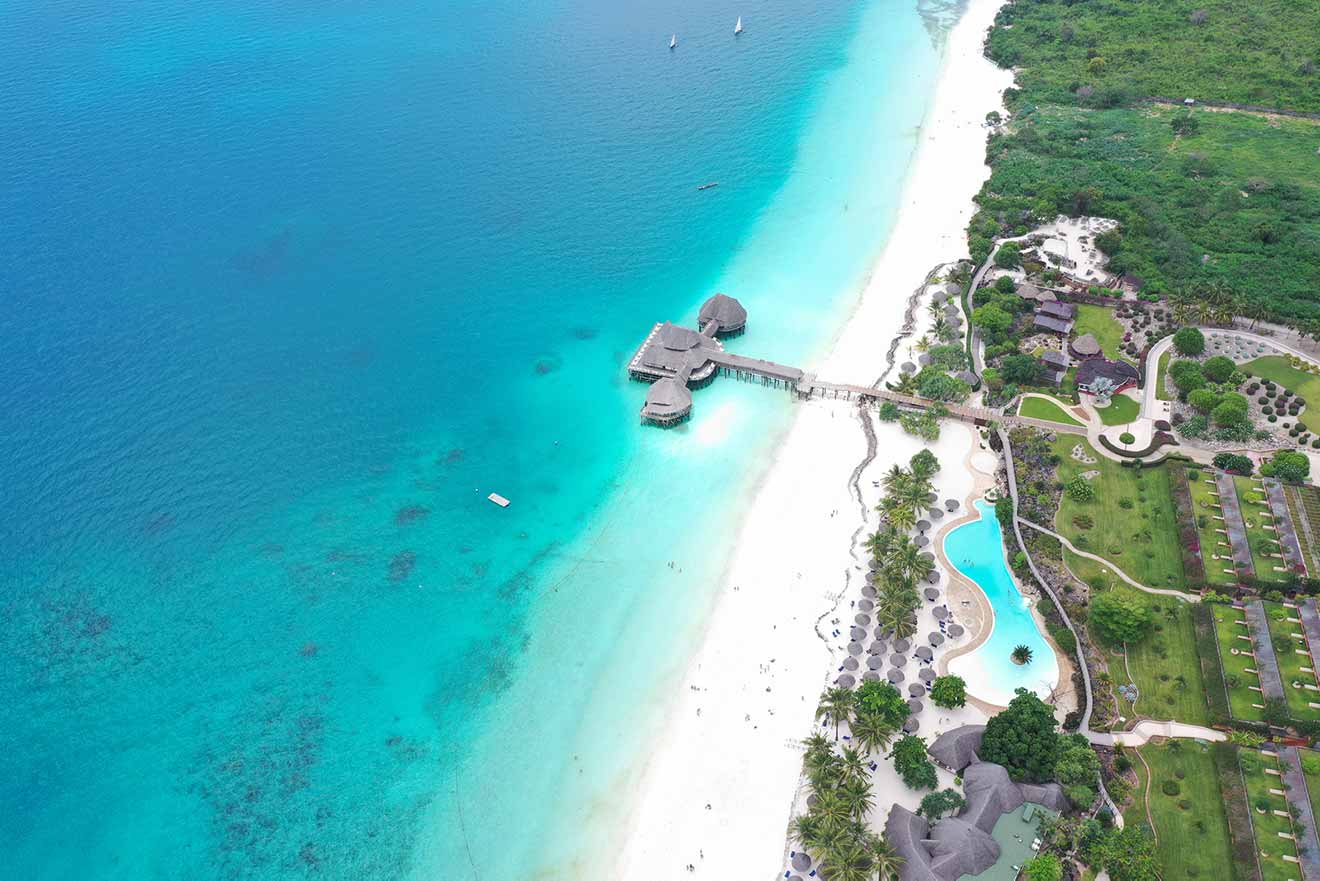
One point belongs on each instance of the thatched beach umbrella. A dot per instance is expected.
(931, 594)
(898, 660)
(926, 675)
(927, 555)
(863, 620)
(877, 648)
(875, 662)
(854, 648)
(940, 612)
(870, 676)
(865, 605)
(916, 689)
(902, 645)
(921, 541)
(951, 504)
(923, 525)
(857, 633)
(935, 514)
(937, 638)
(908, 367)
(850, 664)
(924, 653)
(896, 676)
(868, 592)
(923, 359)
(911, 725)
(955, 631)
(932, 498)
(915, 706)
(846, 680)
(801, 861)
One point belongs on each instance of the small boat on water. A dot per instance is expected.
(737, 29)
(714, 183)
(673, 41)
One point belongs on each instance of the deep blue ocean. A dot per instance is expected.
(287, 289)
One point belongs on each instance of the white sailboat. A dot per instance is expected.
(673, 41)
(737, 29)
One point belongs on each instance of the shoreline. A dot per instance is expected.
(722, 775)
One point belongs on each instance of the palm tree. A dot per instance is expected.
(914, 493)
(1021, 655)
(1180, 306)
(836, 706)
(847, 863)
(923, 344)
(857, 795)
(885, 861)
(882, 541)
(907, 563)
(872, 733)
(898, 620)
(808, 831)
(852, 766)
(898, 513)
(832, 811)
(895, 479)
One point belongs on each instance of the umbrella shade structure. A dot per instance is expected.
(926, 675)
(935, 514)
(801, 861)
(863, 620)
(924, 653)
(915, 706)
(872, 578)
(923, 525)
(812, 801)
(854, 648)
(936, 638)
(933, 577)
(931, 497)
(865, 605)
(896, 676)
(916, 689)
(940, 612)
(874, 564)
(931, 594)
(921, 541)
(952, 505)
(875, 662)
(955, 631)
(908, 367)
(911, 725)
(857, 633)
(846, 680)
(898, 660)
(877, 648)
(868, 592)
(871, 676)
(927, 555)
(850, 664)
(902, 645)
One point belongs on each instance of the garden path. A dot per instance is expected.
(1234, 524)
(1267, 665)
(1141, 734)
(1308, 845)
(1284, 530)
(1117, 571)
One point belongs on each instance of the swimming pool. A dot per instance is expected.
(976, 549)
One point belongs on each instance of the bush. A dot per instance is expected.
(1288, 466)
(1233, 463)
(1170, 787)
(1218, 368)
(1188, 341)
(1080, 490)
(1009, 256)
(1120, 618)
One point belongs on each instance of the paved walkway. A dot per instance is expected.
(1284, 530)
(1145, 730)
(1267, 665)
(1311, 624)
(1117, 571)
(1151, 405)
(1234, 524)
(1308, 844)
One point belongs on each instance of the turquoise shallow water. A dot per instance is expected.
(977, 549)
(290, 288)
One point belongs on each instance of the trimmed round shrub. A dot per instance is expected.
(1170, 787)
(1272, 418)
(1262, 400)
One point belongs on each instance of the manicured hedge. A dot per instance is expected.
(1189, 540)
(1238, 811)
(1207, 652)
(1161, 439)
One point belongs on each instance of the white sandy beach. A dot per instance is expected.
(721, 780)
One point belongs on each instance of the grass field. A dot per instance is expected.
(1164, 666)
(1212, 542)
(1256, 514)
(1130, 522)
(1049, 410)
(1270, 846)
(1277, 368)
(1121, 410)
(1190, 825)
(1161, 390)
(1230, 623)
(1099, 321)
(1288, 637)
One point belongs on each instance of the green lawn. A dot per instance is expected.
(1164, 666)
(1161, 390)
(1277, 368)
(1288, 637)
(1256, 514)
(1230, 623)
(1049, 410)
(1131, 520)
(1099, 321)
(1191, 825)
(1271, 847)
(1311, 770)
(1121, 410)
(1204, 502)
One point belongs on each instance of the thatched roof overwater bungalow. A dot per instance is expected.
(726, 314)
(668, 402)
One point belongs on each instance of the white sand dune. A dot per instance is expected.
(722, 778)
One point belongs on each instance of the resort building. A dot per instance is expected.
(1085, 346)
(722, 316)
(1056, 366)
(1122, 374)
(991, 837)
(1057, 309)
(1050, 324)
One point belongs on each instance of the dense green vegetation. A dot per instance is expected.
(1265, 52)
(1221, 201)
(1230, 627)
(1277, 369)
(1290, 648)
(1205, 504)
(1164, 665)
(1272, 846)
